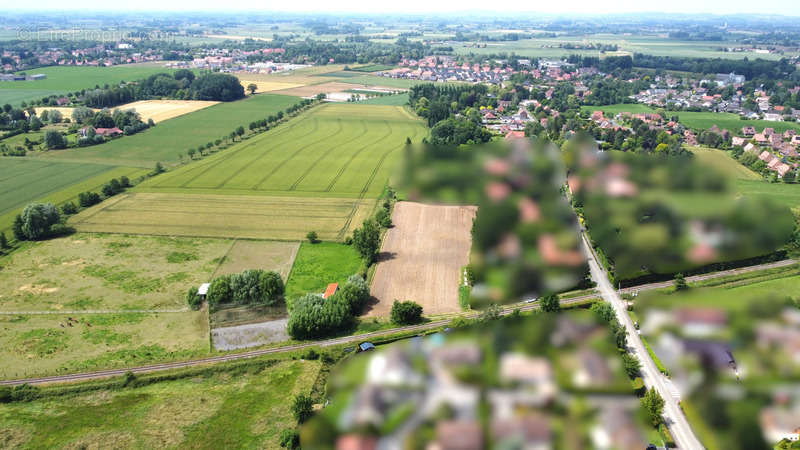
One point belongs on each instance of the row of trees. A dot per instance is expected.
(182, 85)
(256, 126)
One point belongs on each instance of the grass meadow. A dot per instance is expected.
(170, 138)
(106, 272)
(317, 265)
(221, 410)
(97, 301)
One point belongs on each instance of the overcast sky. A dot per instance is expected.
(786, 7)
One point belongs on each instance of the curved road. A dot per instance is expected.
(363, 337)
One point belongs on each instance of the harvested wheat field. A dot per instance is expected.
(161, 110)
(422, 257)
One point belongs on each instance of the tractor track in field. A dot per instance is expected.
(204, 168)
(324, 154)
(273, 146)
(364, 190)
(354, 155)
(280, 165)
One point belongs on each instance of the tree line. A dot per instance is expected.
(181, 85)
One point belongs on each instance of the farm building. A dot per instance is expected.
(330, 290)
(203, 290)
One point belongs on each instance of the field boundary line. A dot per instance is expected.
(95, 311)
(324, 154)
(222, 261)
(278, 166)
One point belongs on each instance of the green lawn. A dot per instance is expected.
(174, 136)
(316, 265)
(223, 410)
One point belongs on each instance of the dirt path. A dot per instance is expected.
(422, 256)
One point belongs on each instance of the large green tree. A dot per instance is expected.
(367, 240)
(37, 220)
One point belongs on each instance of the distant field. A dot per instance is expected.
(317, 265)
(23, 181)
(66, 79)
(699, 120)
(229, 216)
(244, 409)
(731, 122)
(161, 110)
(627, 44)
(336, 150)
(168, 139)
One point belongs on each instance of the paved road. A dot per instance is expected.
(364, 337)
(676, 422)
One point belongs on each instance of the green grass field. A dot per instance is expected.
(66, 79)
(344, 150)
(171, 137)
(391, 100)
(723, 162)
(223, 410)
(316, 265)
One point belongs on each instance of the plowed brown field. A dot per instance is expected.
(422, 256)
